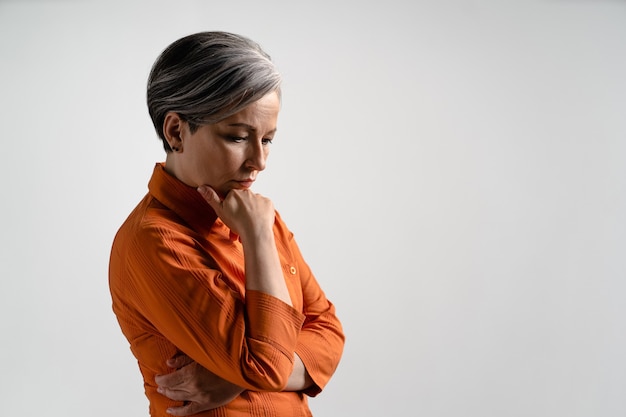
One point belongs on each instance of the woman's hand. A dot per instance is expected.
(247, 214)
(201, 389)
(252, 216)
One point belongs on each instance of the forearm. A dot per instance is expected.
(262, 264)
(265, 280)
(299, 379)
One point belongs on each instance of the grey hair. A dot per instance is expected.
(206, 77)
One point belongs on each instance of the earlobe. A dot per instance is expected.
(173, 131)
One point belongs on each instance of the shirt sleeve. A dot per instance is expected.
(321, 340)
(249, 342)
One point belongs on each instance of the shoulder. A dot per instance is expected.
(151, 227)
(281, 230)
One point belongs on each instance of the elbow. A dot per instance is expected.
(268, 372)
(274, 383)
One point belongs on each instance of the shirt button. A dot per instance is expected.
(292, 270)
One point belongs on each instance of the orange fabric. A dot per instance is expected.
(178, 285)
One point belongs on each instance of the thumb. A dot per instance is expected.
(210, 196)
(179, 361)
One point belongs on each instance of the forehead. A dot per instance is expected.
(261, 114)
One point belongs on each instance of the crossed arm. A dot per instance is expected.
(202, 390)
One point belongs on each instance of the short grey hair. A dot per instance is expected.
(208, 76)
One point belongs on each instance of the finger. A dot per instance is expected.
(174, 394)
(179, 361)
(186, 410)
(172, 379)
(210, 196)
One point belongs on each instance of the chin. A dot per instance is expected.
(223, 192)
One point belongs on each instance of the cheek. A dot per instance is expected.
(220, 161)
(232, 161)
(223, 165)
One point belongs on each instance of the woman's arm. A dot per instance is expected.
(199, 388)
(251, 216)
(202, 390)
(321, 339)
(299, 380)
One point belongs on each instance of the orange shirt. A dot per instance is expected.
(177, 283)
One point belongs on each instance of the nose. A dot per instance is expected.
(257, 155)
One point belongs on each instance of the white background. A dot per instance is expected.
(454, 171)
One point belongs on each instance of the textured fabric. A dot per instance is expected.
(177, 283)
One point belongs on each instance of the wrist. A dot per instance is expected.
(258, 235)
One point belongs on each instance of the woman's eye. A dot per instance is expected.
(239, 139)
(236, 139)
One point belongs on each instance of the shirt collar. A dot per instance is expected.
(182, 199)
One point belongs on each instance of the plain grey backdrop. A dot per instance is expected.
(454, 171)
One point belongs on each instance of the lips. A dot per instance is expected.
(247, 183)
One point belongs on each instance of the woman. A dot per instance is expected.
(203, 269)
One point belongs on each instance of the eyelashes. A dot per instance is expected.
(235, 139)
(239, 139)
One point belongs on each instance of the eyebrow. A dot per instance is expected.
(250, 127)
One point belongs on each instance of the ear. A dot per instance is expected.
(173, 127)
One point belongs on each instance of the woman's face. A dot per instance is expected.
(229, 154)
